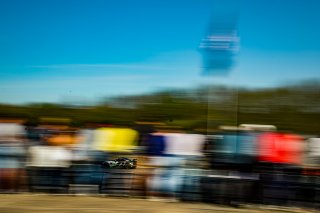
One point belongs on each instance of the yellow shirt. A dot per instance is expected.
(115, 139)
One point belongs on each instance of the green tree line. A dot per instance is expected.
(291, 108)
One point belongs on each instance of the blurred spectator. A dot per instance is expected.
(313, 151)
(48, 165)
(12, 156)
(168, 177)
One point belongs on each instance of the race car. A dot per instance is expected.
(120, 163)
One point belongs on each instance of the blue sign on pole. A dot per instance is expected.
(221, 42)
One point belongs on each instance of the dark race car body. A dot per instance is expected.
(120, 163)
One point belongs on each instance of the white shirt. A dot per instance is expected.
(49, 156)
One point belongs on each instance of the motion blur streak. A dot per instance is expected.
(158, 103)
(177, 159)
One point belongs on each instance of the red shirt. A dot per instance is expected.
(280, 148)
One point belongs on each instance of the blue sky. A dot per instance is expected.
(83, 50)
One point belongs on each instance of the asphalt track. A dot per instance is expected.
(33, 203)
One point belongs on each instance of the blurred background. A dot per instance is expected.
(219, 101)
